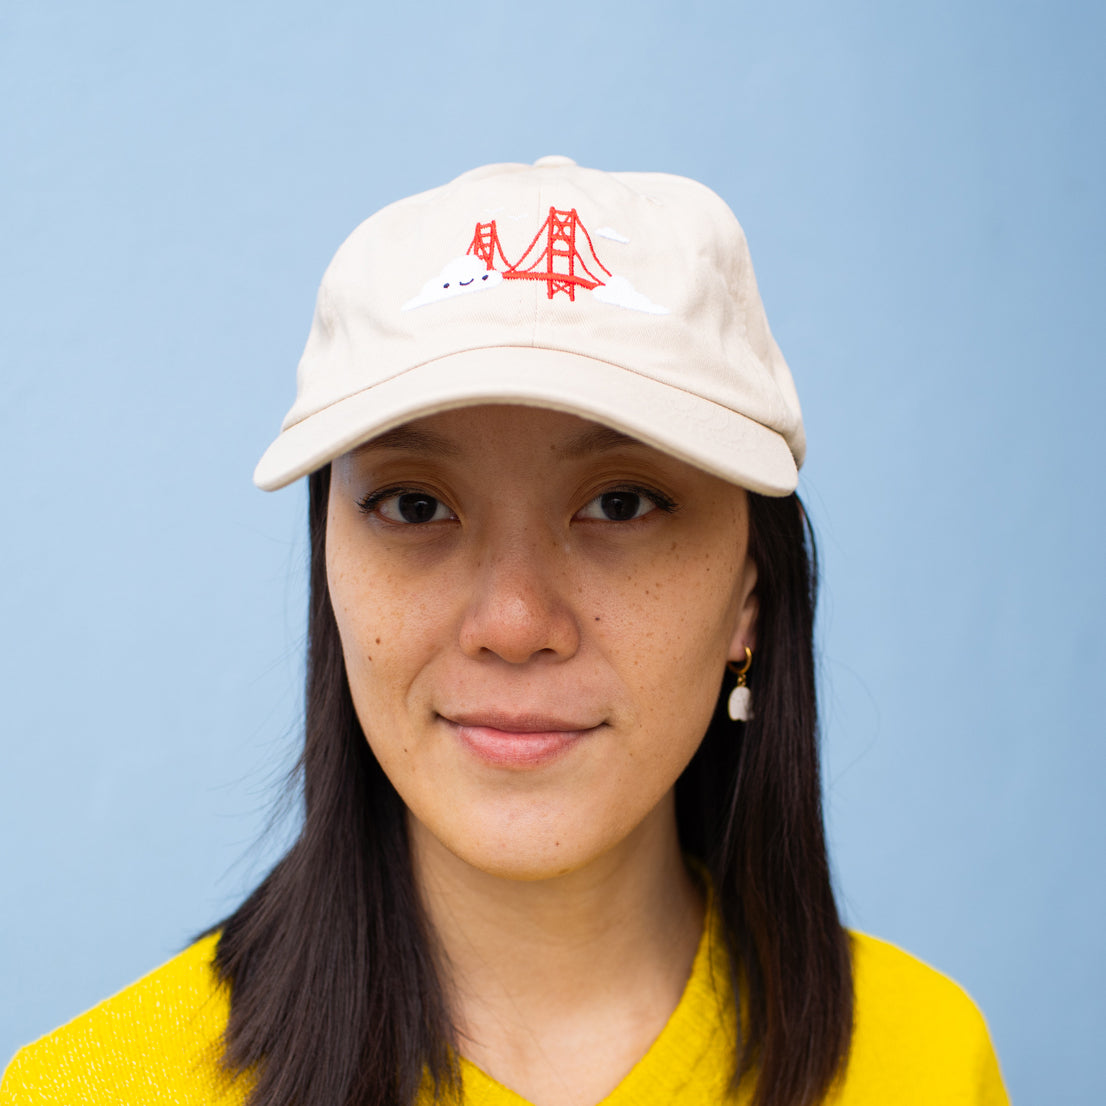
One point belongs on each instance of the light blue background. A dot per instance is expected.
(922, 187)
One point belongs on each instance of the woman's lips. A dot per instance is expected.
(520, 741)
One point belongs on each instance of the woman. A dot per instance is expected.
(552, 852)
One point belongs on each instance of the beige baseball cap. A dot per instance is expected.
(625, 298)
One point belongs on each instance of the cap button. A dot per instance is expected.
(551, 161)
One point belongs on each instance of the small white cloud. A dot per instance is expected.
(460, 277)
(612, 234)
(621, 293)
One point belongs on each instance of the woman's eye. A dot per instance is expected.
(409, 507)
(621, 506)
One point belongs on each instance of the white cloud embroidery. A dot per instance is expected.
(460, 277)
(621, 293)
(612, 234)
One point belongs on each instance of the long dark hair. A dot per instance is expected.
(336, 998)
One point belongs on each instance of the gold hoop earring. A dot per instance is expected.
(741, 698)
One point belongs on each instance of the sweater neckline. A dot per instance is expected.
(703, 1021)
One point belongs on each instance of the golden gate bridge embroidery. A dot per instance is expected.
(561, 255)
(558, 261)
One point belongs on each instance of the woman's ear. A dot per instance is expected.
(745, 627)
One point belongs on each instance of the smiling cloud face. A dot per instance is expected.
(460, 277)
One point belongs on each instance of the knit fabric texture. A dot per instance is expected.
(918, 1039)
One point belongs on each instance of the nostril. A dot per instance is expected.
(519, 628)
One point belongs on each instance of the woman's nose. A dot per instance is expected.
(518, 608)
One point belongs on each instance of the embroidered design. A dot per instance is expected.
(612, 234)
(460, 277)
(559, 231)
(485, 245)
(620, 292)
(561, 254)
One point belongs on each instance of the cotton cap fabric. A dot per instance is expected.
(625, 298)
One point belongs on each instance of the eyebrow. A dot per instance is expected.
(412, 439)
(597, 439)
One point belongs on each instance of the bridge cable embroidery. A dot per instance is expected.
(559, 230)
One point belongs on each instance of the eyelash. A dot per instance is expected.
(369, 504)
(659, 500)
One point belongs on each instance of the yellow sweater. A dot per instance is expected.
(918, 1040)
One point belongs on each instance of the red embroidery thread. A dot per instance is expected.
(485, 245)
(559, 230)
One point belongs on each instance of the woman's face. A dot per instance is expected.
(535, 613)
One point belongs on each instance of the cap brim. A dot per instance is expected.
(695, 430)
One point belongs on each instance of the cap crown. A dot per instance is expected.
(646, 273)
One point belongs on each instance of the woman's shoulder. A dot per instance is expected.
(157, 1040)
(917, 1037)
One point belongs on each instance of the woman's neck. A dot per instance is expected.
(559, 986)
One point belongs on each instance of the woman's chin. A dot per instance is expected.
(528, 847)
(519, 860)
(525, 869)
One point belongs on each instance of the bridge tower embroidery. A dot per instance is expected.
(485, 245)
(558, 261)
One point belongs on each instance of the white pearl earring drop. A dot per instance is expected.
(741, 698)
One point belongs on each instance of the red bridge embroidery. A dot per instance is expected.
(558, 261)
